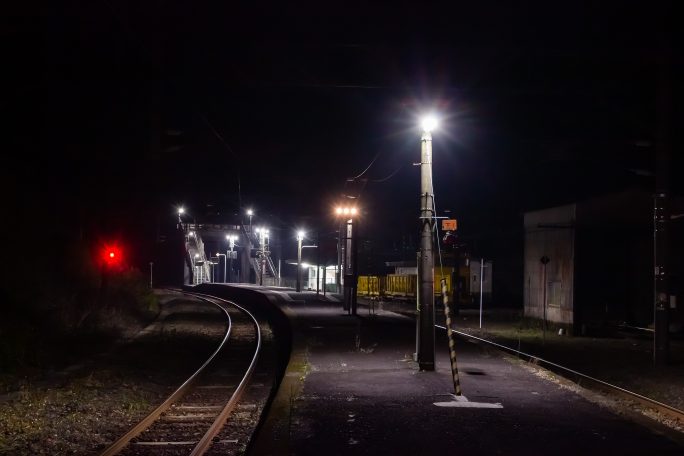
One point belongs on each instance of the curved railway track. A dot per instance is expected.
(580, 378)
(193, 418)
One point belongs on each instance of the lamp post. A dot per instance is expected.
(263, 251)
(348, 257)
(219, 255)
(230, 254)
(181, 211)
(300, 238)
(338, 270)
(195, 269)
(425, 340)
(250, 213)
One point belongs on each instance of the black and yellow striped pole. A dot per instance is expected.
(452, 342)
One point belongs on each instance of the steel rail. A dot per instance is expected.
(207, 439)
(122, 441)
(662, 407)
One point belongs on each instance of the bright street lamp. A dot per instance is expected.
(425, 340)
(181, 211)
(250, 213)
(300, 238)
(428, 123)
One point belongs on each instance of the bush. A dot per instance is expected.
(50, 306)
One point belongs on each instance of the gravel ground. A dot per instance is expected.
(79, 410)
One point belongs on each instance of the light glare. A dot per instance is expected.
(429, 123)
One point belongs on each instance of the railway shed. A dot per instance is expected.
(589, 265)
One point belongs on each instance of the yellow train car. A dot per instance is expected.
(401, 285)
(370, 286)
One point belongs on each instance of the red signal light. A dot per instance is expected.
(111, 255)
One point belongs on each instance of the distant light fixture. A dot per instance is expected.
(300, 235)
(346, 211)
(428, 123)
(191, 233)
(250, 212)
(181, 210)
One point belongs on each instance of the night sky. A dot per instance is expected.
(118, 111)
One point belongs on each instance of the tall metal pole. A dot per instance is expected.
(318, 263)
(426, 299)
(263, 259)
(661, 208)
(338, 271)
(151, 284)
(299, 263)
(354, 255)
(348, 267)
(230, 266)
(225, 262)
(481, 287)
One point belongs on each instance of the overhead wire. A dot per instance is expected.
(223, 141)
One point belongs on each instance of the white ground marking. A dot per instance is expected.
(463, 402)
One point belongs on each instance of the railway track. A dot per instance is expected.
(193, 420)
(580, 378)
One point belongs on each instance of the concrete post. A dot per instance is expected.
(426, 298)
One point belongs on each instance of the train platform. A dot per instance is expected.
(352, 387)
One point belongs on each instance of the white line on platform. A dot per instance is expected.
(463, 402)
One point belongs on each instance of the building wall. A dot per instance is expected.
(550, 233)
(614, 260)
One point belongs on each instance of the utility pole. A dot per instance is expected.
(661, 214)
(354, 255)
(338, 271)
(300, 237)
(318, 262)
(347, 265)
(346, 257)
(481, 287)
(425, 346)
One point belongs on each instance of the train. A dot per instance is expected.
(463, 283)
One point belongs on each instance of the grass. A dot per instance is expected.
(67, 420)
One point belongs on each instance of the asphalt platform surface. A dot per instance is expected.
(352, 387)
